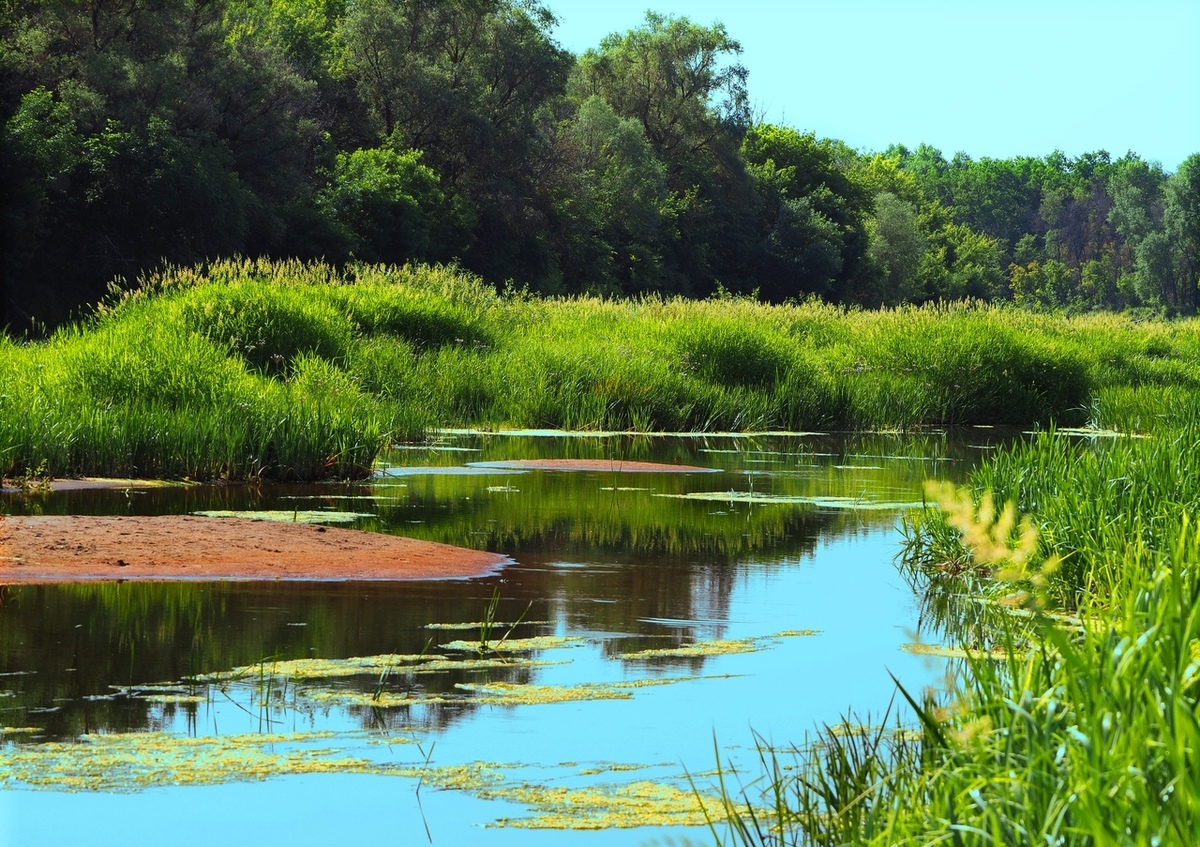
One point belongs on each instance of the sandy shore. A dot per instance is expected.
(77, 548)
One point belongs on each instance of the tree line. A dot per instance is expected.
(138, 132)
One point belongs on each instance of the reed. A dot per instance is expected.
(1086, 729)
(290, 370)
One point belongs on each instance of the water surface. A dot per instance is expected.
(785, 555)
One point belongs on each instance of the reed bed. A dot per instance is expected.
(1075, 716)
(296, 371)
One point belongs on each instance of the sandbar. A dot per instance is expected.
(80, 548)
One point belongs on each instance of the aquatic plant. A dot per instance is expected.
(1060, 728)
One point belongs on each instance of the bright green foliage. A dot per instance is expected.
(294, 370)
(137, 134)
(1040, 284)
(897, 245)
(670, 75)
(1181, 220)
(611, 201)
(1085, 730)
(386, 204)
(813, 215)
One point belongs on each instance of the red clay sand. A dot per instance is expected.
(78, 548)
(606, 465)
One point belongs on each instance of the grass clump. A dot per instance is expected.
(289, 370)
(1061, 729)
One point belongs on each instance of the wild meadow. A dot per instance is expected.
(254, 369)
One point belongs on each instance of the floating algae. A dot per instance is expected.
(174, 699)
(126, 762)
(850, 730)
(723, 647)
(439, 470)
(304, 669)
(518, 645)
(373, 700)
(607, 433)
(587, 807)
(641, 803)
(476, 625)
(517, 694)
(286, 516)
(857, 504)
(1085, 432)
(942, 651)
(435, 448)
(615, 767)
(384, 498)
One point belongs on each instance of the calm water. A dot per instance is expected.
(612, 563)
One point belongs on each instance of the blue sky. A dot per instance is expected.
(1000, 79)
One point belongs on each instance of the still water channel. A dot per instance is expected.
(648, 622)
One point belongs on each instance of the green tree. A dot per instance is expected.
(897, 245)
(813, 212)
(683, 84)
(464, 81)
(677, 79)
(189, 144)
(610, 201)
(1181, 221)
(386, 203)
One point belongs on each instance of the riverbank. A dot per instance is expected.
(287, 371)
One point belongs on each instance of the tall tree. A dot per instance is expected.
(1181, 220)
(814, 215)
(463, 81)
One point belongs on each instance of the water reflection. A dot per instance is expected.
(600, 555)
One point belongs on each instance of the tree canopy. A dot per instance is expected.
(138, 132)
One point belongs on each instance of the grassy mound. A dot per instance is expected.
(297, 371)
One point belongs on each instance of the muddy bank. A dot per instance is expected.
(179, 547)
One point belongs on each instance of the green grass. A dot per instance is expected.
(1087, 731)
(288, 370)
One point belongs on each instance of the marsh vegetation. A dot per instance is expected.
(243, 370)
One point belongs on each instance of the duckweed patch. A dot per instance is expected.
(126, 762)
(285, 516)
(948, 652)
(858, 504)
(720, 647)
(176, 699)
(517, 694)
(475, 625)
(306, 669)
(518, 645)
(636, 804)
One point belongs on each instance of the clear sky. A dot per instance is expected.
(999, 79)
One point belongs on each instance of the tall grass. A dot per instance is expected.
(209, 371)
(1090, 737)
(1086, 729)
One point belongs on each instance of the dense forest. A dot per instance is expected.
(143, 132)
